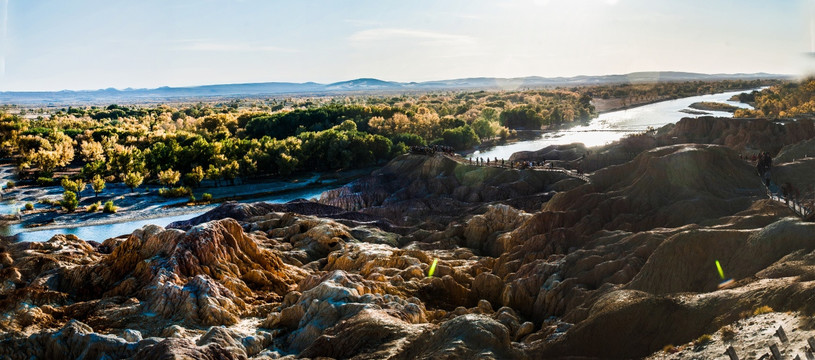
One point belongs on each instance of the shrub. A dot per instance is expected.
(69, 201)
(133, 180)
(704, 339)
(762, 310)
(670, 349)
(109, 207)
(94, 207)
(728, 333)
(29, 206)
(46, 201)
(10, 184)
(206, 197)
(399, 149)
(192, 198)
(46, 181)
(180, 191)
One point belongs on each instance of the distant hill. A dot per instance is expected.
(356, 86)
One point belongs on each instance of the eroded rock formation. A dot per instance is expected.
(614, 268)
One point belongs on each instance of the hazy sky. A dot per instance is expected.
(91, 44)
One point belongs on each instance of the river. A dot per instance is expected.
(612, 126)
(101, 232)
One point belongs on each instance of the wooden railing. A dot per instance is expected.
(493, 163)
(799, 209)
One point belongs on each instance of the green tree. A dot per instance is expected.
(169, 177)
(286, 164)
(460, 138)
(74, 186)
(230, 171)
(162, 156)
(489, 114)
(214, 173)
(133, 180)
(68, 185)
(195, 176)
(69, 201)
(408, 139)
(123, 160)
(523, 117)
(96, 168)
(483, 128)
(219, 123)
(98, 184)
(80, 187)
(92, 151)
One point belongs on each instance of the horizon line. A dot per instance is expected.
(391, 81)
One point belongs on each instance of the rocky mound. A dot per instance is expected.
(665, 187)
(411, 187)
(799, 174)
(620, 152)
(796, 151)
(745, 136)
(742, 135)
(244, 211)
(568, 152)
(294, 284)
(230, 209)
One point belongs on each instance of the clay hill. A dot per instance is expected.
(529, 265)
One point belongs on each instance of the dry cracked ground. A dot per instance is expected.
(530, 265)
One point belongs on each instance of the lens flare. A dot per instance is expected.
(721, 272)
(432, 268)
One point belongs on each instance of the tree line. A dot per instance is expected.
(786, 100)
(221, 142)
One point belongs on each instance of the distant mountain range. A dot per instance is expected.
(356, 86)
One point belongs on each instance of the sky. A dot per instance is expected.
(93, 44)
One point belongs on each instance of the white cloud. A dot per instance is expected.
(420, 36)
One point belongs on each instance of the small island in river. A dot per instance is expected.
(713, 106)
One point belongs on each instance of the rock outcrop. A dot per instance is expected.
(741, 134)
(796, 151)
(411, 187)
